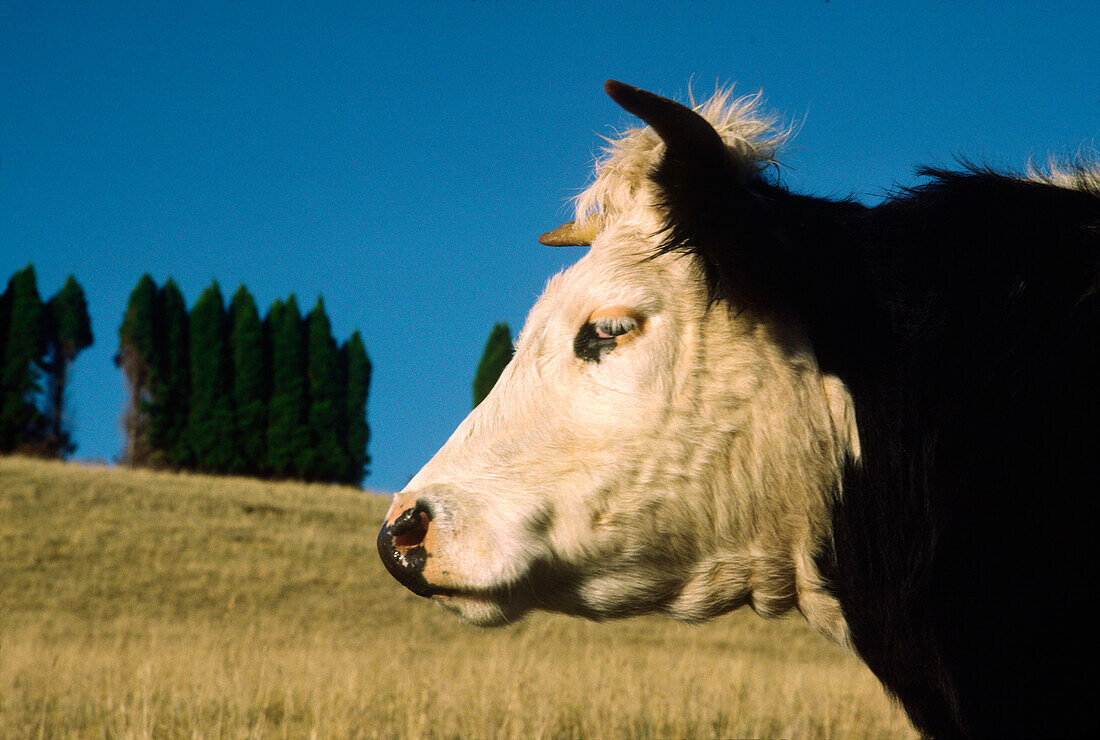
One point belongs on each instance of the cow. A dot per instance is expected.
(886, 418)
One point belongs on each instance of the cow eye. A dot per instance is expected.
(608, 327)
(605, 330)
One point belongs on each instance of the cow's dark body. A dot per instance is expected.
(964, 318)
(960, 543)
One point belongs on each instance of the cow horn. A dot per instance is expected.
(686, 133)
(572, 234)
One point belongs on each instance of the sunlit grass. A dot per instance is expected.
(139, 604)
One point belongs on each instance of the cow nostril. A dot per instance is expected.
(411, 527)
(403, 549)
(412, 532)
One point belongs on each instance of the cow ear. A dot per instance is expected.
(711, 209)
(687, 135)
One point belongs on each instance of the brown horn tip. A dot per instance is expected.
(569, 235)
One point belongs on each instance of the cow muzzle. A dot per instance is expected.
(403, 544)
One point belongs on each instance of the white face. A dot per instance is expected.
(645, 450)
(635, 455)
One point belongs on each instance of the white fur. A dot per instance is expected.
(1085, 175)
(689, 471)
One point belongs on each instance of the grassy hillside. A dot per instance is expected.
(139, 604)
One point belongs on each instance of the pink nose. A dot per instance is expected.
(401, 544)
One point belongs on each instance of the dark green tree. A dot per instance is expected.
(274, 318)
(287, 434)
(324, 457)
(496, 356)
(355, 372)
(21, 422)
(246, 346)
(171, 391)
(137, 356)
(5, 317)
(69, 332)
(210, 412)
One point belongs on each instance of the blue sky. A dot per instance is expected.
(400, 158)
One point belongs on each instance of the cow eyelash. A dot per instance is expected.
(609, 327)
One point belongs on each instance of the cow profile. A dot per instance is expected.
(887, 418)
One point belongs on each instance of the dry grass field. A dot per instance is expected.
(140, 604)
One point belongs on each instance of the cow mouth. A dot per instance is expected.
(487, 596)
(444, 594)
(479, 607)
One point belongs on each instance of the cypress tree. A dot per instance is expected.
(496, 356)
(137, 358)
(69, 333)
(356, 371)
(246, 344)
(21, 423)
(210, 413)
(5, 318)
(323, 458)
(287, 433)
(73, 325)
(172, 390)
(274, 318)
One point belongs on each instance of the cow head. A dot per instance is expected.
(654, 445)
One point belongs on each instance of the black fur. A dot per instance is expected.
(964, 318)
